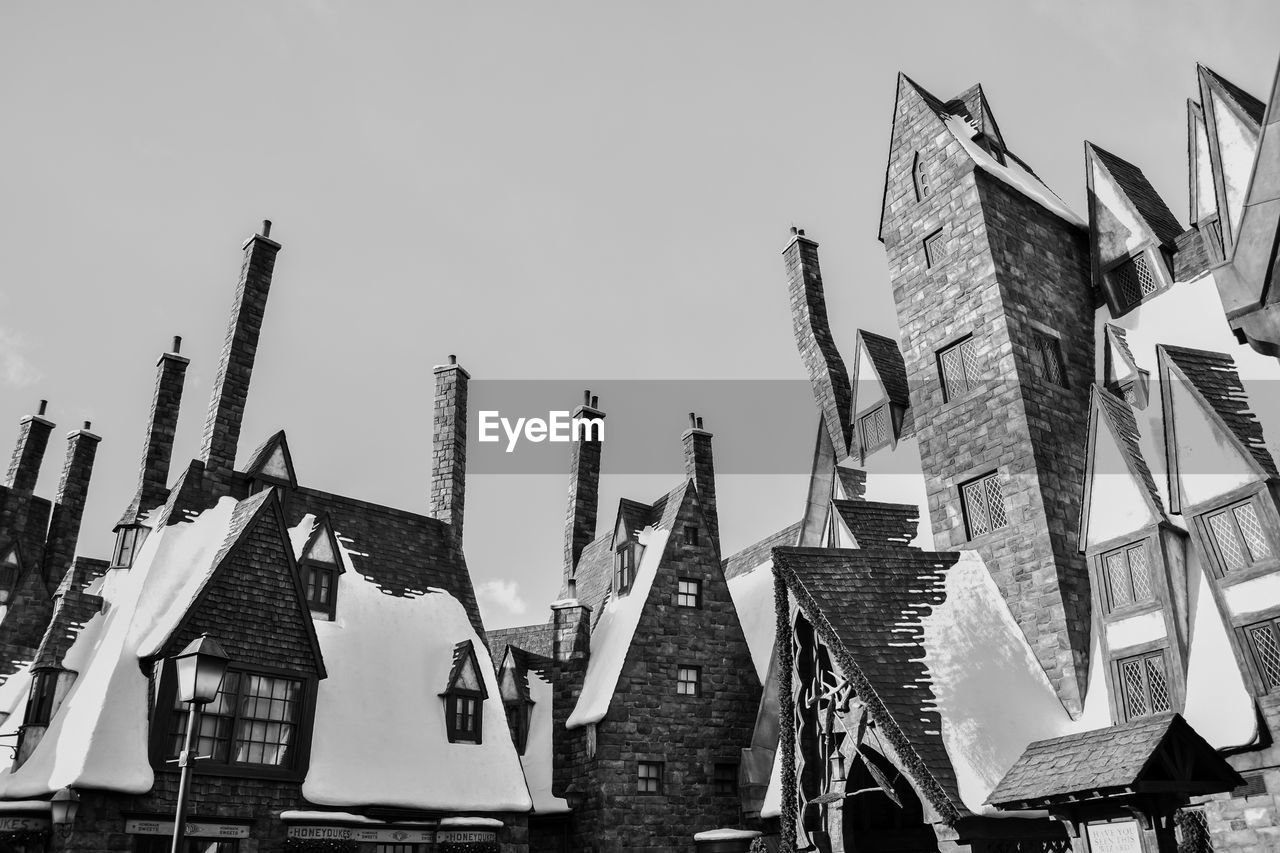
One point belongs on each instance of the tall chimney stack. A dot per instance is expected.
(28, 453)
(699, 468)
(449, 457)
(831, 388)
(584, 488)
(235, 369)
(68, 506)
(157, 446)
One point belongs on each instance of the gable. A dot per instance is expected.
(272, 461)
(1117, 227)
(465, 674)
(1204, 202)
(1237, 144)
(323, 546)
(868, 390)
(1118, 503)
(917, 123)
(1119, 365)
(275, 465)
(1207, 461)
(253, 603)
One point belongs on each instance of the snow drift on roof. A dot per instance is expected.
(612, 635)
(537, 760)
(752, 595)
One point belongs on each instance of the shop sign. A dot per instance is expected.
(24, 824)
(465, 836)
(1121, 837)
(194, 830)
(380, 835)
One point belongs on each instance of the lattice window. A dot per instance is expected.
(1237, 532)
(689, 680)
(1265, 642)
(958, 364)
(649, 777)
(984, 508)
(1134, 280)
(1047, 353)
(1191, 829)
(1144, 684)
(874, 427)
(935, 251)
(1128, 575)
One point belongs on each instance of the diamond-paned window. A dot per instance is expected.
(1134, 280)
(958, 364)
(984, 508)
(1237, 532)
(1128, 575)
(1265, 642)
(1047, 354)
(874, 428)
(1144, 685)
(935, 251)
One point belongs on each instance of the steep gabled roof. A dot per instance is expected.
(867, 605)
(935, 106)
(1117, 337)
(1213, 376)
(1251, 106)
(1137, 189)
(753, 555)
(889, 365)
(853, 481)
(533, 639)
(1149, 754)
(73, 607)
(972, 103)
(1107, 411)
(273, 461)
(464, 661)
(879, 525)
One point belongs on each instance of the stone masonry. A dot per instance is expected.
(449, 456)
(1010, 269)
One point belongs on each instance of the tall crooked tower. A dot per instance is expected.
(991, 279)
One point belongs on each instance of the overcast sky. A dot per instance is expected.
(588, 191)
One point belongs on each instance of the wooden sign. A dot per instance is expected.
(381, 835)
(194, 830)
(1120, 837)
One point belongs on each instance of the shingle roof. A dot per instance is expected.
(1099, 761)
(890, 366)
(1124, 425)
(753, 555)
(868, 606)
(1252, 107)
(1119, 337)
(403, 553)
(535, 639)
(1214, 375)
(262, 455)
(972, 102)
(854, 481)
(1134, 184)
(879, 525)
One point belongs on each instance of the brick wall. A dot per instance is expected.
(1251, 824)
(1008, 265)
(68, 507)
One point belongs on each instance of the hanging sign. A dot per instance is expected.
(194, 830)
(398, 835)
(24, 824)
(465, 836)
(1120, 837)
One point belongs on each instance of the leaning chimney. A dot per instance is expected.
(699, 467)
(827, 374)
(449, 457)
(235, 369)
(157, 447)
(68, 506)
(584, 487)
(28, 453)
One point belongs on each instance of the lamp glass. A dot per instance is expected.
(200, 667)
(63, 807)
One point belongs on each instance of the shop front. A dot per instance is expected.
(325, 832)
(25, 827)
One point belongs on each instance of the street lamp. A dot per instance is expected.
(62, 810)
(200, 667)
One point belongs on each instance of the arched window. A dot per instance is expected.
(921, 178)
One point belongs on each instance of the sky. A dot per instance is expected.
(589, 192)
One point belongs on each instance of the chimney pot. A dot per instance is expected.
(177, 343)
(44, 404)
(266, 228)
(699, 423)
(793, 230)
(453, 359)
(586, 397)
(595, 402)
(801, 232)
(88, 426)
(573, 587)
(693, 420)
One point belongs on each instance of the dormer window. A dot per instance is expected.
(624, 563)
(320, 567)
(873, 429)
(989, 145)
(10, 565)
(129, 539)
(464, 697)
(920, 178)
(1135, 278)
(513, 684)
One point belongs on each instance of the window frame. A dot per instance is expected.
(624, 567)
(658, 778)
(681, 682)
(690, 535)
(967, 513)
(1134, 605)
(682, 594)
(724, 784)
(311, 567)
(951, 394)
(135, 535)
(523, 711)
(1262, 680)
(1152, 258)
(42, 698)
(933, 258)
(920, 178)
(1122, 688)
(456, 735)
(881, 411)
(1217, 560)
(1044, 345)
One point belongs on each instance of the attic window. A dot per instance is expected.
(1132, 280)
(873, 429)
(464, 697)
(624, 563)
(689, 593)
(920, 177)
(688, 680)
(320, 567)
(513, 685)
(129, 539)
(322, 585)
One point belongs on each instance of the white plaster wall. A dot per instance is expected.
(1121, 231)
(1209, 464)
(1127, 633)
(1218, 706)
(1237, 144)
(1253, 596)
(1116, 503)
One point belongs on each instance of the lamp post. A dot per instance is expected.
(200, 667)
(62, 811)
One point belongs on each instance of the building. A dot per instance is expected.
(1082, 651)
(633, 703)
(361, 710)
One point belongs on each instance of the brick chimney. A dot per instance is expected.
(28, 453)
(68, 507)
(698, 466)
(449, 457)
(235, 369)
(831, 388)
(157, 448)
(584, 488)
